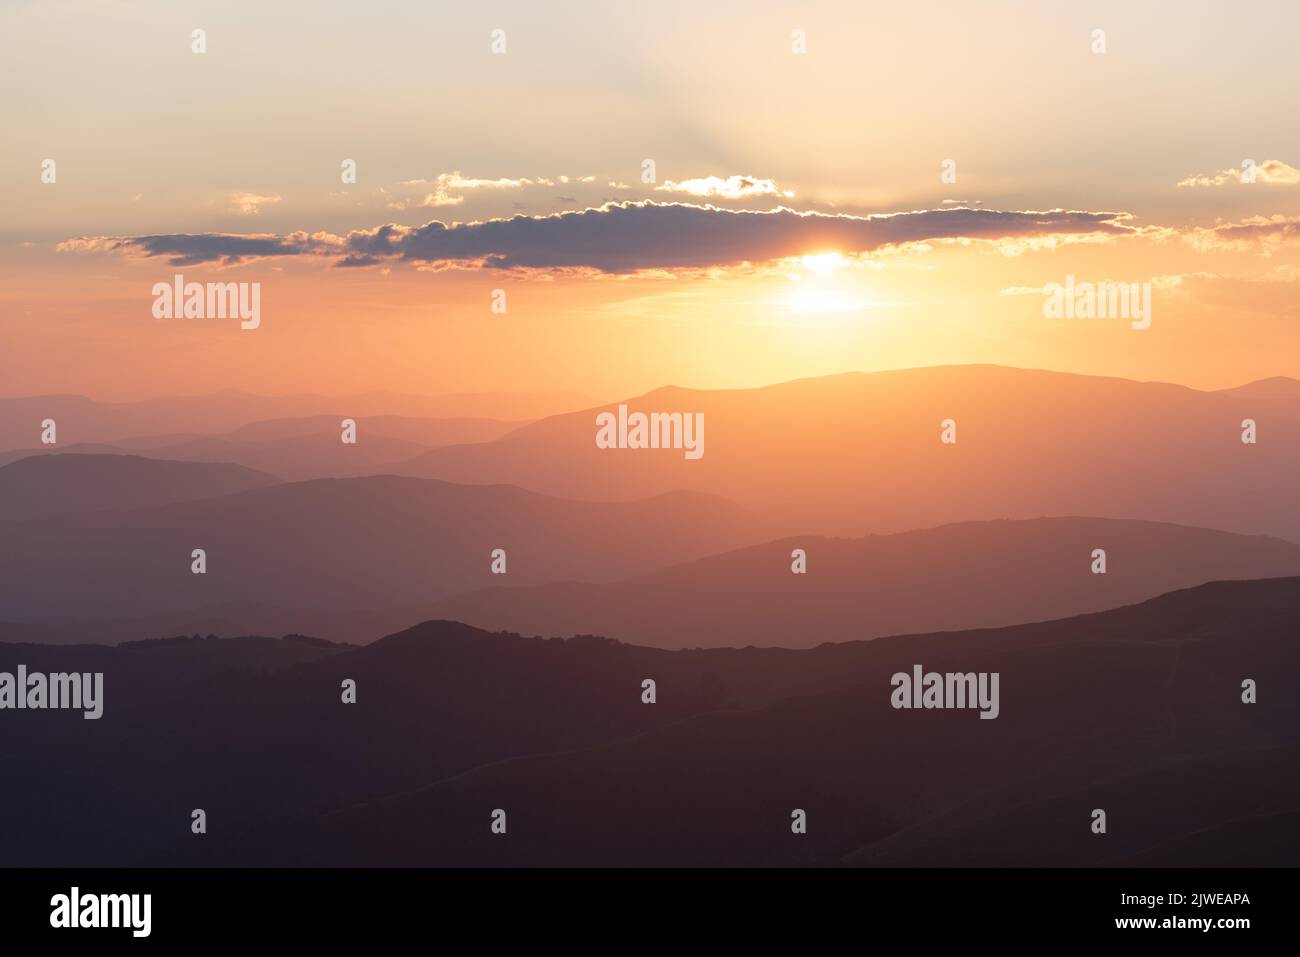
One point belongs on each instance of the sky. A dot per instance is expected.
(673, 193)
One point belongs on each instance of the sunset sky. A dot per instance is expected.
(797, 224)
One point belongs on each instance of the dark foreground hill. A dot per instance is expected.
(1136, 711)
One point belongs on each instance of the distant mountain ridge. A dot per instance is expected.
(966, 575)
(84, 420)
(301, 448)
(44, 485)
(335, 545)
(862, 452)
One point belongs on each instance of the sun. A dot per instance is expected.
(823, 262)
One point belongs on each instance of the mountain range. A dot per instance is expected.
(1136, 710)
(863, 452)
(340, 544)
(966, 575)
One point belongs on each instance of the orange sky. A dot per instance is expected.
(169, 161)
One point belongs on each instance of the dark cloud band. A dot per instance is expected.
(625, 237)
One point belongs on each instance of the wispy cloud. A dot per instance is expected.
(1165, 281)
(733, 187)
(250, 204)
(1269, 171)
(1258, 232)
(448, 189)
(189, 249)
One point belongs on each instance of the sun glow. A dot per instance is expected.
(823, 262)
(820, 299)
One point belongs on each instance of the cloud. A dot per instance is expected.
(1165, 281)
(190, 249)
(1267, 232)
(250, 204)
(1269, 171)
(633, 236)
(448, 188)
(624, 237)
(733, 187)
